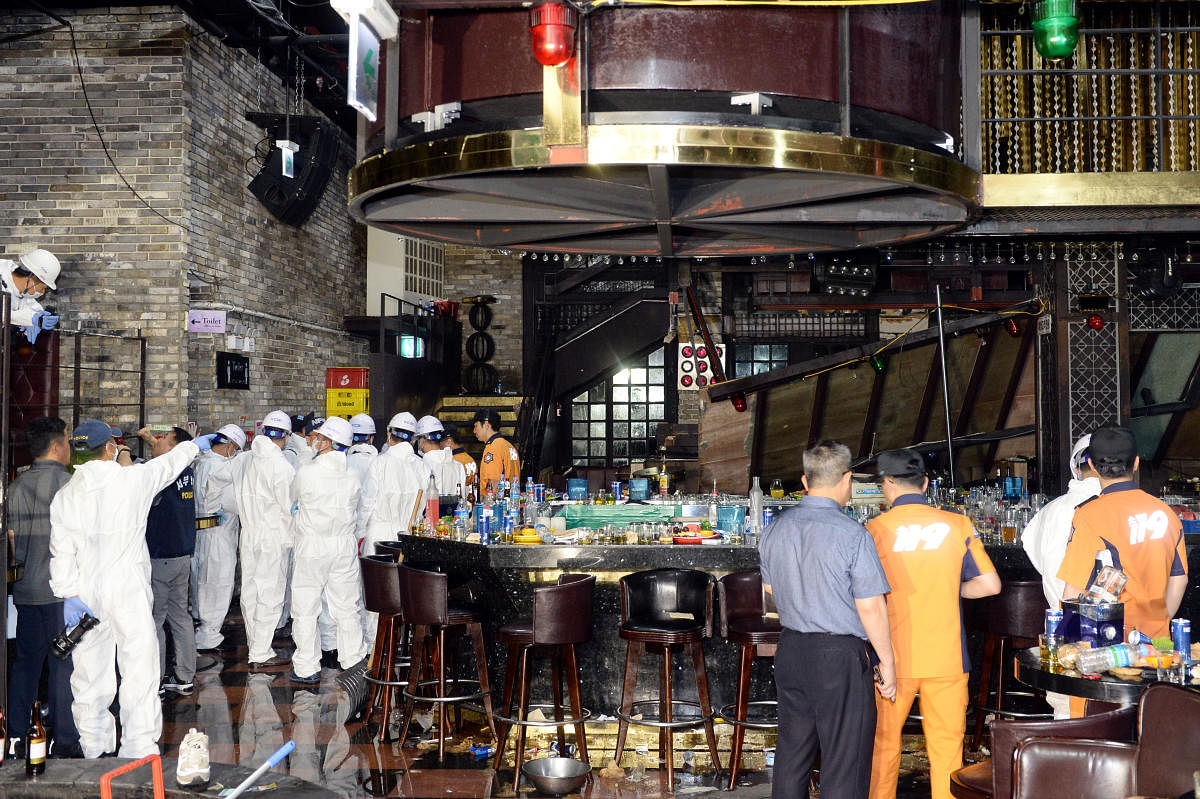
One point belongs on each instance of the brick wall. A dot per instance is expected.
(169, 101)
(472, 271)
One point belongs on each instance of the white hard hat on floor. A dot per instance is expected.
(362, 424)
(404, 421)
(337, 430)
(42, 264)
(279, 420)
(234, 433)
(429, 424)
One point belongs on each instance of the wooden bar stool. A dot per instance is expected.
(425, 606)
(653, 604)
(1013, 618)
(744, 622)
(562, 618)
(381, 594)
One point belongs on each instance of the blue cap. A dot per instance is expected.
(90, 434)
(313, 423)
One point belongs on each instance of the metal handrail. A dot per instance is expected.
(418, 312)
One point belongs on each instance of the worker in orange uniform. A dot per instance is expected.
(931, 557)
(500, 458)
(1130, 530)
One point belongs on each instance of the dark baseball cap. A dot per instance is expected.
(313, 422)
(487, 415)
(1112, 444)
(90, 434)
(900, 463)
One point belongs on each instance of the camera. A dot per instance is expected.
(65, 642)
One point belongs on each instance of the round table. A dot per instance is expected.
(1106, 689)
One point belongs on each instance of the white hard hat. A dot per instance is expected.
(404, 421)
(42, 264)
(429, 424)
(337, 430)
(362, 424)
(279, 420)
(1079, 455)
(234, 433)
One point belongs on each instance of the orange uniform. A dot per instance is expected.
(500, 459)
(927, 553)
(472, 470)
(1138, 534)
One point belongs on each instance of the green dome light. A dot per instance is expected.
(1055, 28)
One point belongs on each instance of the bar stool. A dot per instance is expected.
(651, 602)
(744, 622)
(425, 607)
(381, 594)
(1013, 618)
(562, 618)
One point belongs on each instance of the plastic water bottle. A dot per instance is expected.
(712, 507)
(754, 518)
(462, 519)
(1094, 661)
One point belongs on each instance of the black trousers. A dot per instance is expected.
(826, 693)
(36, 627)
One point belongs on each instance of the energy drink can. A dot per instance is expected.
(616, 490)
(539, 492)
(1181, 635)
(768, 517)
(1054, 617)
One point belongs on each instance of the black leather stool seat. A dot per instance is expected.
(516, 630)
(653, 624)
(751, 630)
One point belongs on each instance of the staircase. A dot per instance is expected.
(460, 409)
(590, 350)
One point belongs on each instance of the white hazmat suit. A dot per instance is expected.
(326, 561)
(359, 458)
(449, 474)
(24, 306)
(215, 562)
(98, 553)
(264, 508)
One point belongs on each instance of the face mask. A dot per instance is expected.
(35, 295)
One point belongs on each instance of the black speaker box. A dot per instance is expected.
(292, 200)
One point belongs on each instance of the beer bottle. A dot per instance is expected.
(35, 743)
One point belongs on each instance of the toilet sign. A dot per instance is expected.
(201, 321)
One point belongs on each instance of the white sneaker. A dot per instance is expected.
(193, 759)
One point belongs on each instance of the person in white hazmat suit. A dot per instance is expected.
(99, 565)
(363, 451)
(326, 494)
(264, 506)
(390, 493)
(1046, 535)
(26, 280)
(448, 473)
(298, 449)
(215, 563)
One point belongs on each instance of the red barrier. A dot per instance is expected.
(160, 790)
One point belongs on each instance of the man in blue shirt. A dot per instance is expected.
(822, 569)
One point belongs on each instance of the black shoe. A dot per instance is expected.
(310, 680)
(270, 664)
(66, 751)
(176, 686)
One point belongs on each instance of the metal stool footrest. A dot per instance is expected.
(587, 714)
(1015, 714)
(399, 664)
(441, 700)
(728, 712)
(691, 721)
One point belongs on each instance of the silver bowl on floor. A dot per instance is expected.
(556, 775)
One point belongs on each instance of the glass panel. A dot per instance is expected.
(620, 461)
(658, 394)
(637, 376)
(620, 449)
(621, 376)
(597, 392)
(620, 411)
(637, 394)
(598, 448)
(779, 352)
(637, 411)
(620, 394)
(579, 448)
(742, 369)
(760, 367)
(743, 352)
(579, 413)
(598, 462)
(656, 357)
(597, 430)
(762, 352)
(657, 412)
(638, 449)
(599, 412)
(581, 398)
(620, 429)
(579, 430)
(656, 376)
(638, 430)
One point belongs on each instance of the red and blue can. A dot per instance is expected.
(616, 490)
(768, 517)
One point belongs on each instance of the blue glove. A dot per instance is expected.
(222, 517)
(31, 332)
(295, 507)
(73, 610)
(45, 320)
(205, 442)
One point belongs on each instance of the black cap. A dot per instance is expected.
(487, 415)
(1113, 445)
(900, 463)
